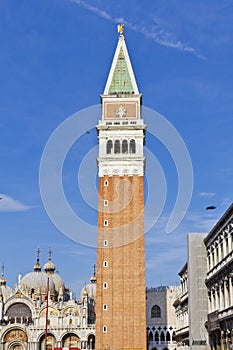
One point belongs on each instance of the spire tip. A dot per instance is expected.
(120, 29)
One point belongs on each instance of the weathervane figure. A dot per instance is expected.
(120, 28)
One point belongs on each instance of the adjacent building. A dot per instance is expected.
(192, 303)
(160, 318)
(181, 311)
(219, 282)
(41, 312)
(204, 306)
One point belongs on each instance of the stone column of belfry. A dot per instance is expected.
(121, 299)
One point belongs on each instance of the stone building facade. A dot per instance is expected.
(41, 312)
(204, 307)
(161, 321)
(181, 311)
(219, 282)
(191, 304)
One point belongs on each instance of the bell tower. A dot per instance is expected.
(121, 299)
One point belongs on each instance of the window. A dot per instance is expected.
(105, 202)
(109, 147)
(150, 337)
(105, 243)
(117, 147)
(106, 183)
(105, 222)
(105, 263)
(132, 146)
(105, 329)
(105, 285)
(105, 307)
(124, 146)
(155, 312)
(162, 337)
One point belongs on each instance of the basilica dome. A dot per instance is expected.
(37, 281)
(89, 289)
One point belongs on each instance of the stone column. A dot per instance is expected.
(215, 256)
(216, 288)
(226, 294)
(213, 305)
(231, 289)
(221, 301)
(224, 246)
(229, 242)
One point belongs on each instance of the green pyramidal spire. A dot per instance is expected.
(121, 81)
(121, 76)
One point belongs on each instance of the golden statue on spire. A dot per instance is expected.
(120, 29)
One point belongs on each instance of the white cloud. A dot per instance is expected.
(8, 204)
(155, 32)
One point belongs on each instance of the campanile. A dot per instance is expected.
(121, 299)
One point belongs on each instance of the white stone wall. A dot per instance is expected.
(161, 330)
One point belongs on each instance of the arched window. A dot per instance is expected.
(168, 337)
(124, 146)
(155, 312)
(109, 146)
(91, 342)
(150, 336)
(132, 146)
(156, 336)
(117, 147)
(20, 313)
(162, 336)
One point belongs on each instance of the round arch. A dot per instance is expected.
(17, 346)
(19, 312)
(50, 341)
(51, 311)
(15, 339)
(71, 339)
(91, 341)
(19, 298)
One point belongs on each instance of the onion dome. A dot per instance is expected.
(50, 268)
(37, 266)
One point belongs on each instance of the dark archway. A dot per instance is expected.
(50, 342)
(91, 342)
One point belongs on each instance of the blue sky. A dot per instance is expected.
(54, 61)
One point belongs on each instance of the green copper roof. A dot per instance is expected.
(121, 81)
